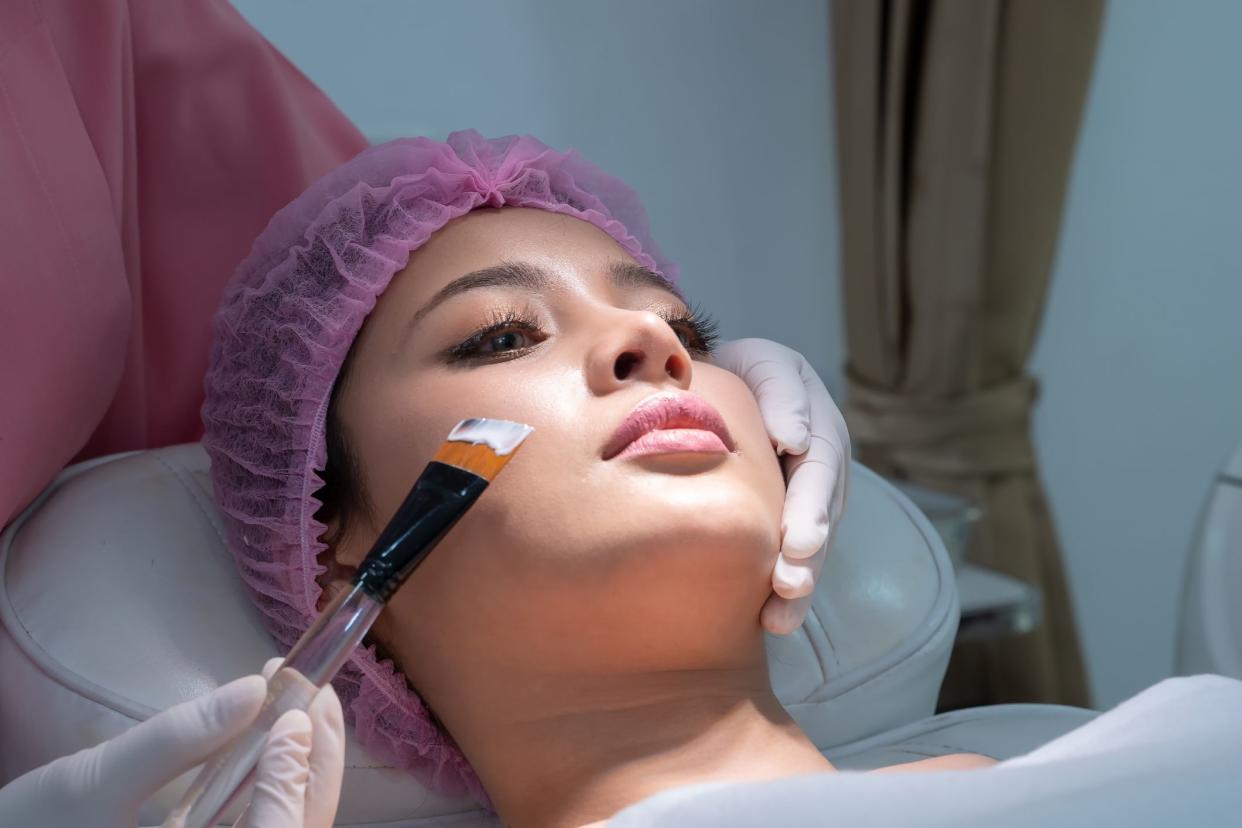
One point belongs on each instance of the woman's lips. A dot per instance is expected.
(673, 440)
(670, 423)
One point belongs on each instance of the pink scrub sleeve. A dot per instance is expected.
(143, 147)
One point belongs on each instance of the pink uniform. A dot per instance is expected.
(143, 147)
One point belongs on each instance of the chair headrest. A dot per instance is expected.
(119, 598)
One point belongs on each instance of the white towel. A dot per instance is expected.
(1170, 756)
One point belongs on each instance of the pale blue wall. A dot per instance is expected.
(719, 114)
(716, 113)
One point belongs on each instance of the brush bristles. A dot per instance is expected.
(477, 459)
(482, 447)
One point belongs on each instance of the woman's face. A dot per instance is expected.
(571, 560)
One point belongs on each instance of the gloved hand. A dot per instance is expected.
(297, 783)
(808, 431)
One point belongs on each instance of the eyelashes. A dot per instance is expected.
(702, 329)
(523, 324)
(509, 334)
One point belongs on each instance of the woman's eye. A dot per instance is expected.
(696, 331)
(505, 341)
(507, 337)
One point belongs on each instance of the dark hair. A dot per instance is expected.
(343, 496)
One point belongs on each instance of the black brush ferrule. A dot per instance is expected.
(439, 497)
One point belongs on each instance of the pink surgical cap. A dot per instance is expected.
(283, 330)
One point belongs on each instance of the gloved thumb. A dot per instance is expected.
(147, 756)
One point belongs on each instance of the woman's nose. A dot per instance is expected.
(641, 347)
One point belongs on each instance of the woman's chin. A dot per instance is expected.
(721, 505)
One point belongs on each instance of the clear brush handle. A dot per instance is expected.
(310, 665)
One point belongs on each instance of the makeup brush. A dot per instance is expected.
(472, 455)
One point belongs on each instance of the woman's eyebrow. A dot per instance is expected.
(628, 274)
(505, 274)
(532, 277)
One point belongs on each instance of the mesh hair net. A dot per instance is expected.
(283, 330)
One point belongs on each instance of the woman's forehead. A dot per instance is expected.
(525, 248)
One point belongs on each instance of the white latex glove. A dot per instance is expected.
(297, 783)
(809, 434)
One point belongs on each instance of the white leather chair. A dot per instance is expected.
(118, 598)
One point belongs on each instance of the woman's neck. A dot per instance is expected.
(573, 751)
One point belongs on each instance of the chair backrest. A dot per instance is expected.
(1210, 635)
(118, 598)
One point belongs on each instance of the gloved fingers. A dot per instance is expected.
(150, 754)
(279, 797)
(327, 755)
(807, 427)
(270, 666)
(810, 479)
(795, 577)
(781, 616)
(823, 491)
(827, 428)
(772, 373)
(327, 759)
(786, 607)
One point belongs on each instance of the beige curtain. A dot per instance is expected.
(956, 124)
